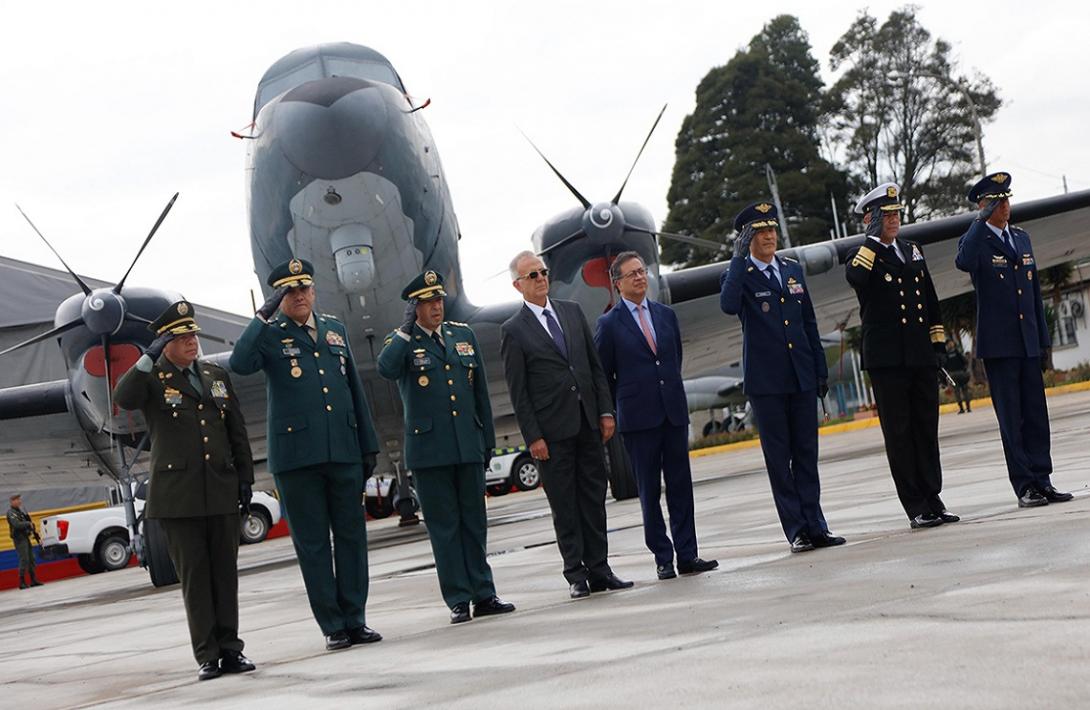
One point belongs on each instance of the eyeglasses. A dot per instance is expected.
(634, 273)
(543, 273)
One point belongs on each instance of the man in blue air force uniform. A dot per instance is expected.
(1011, 337)
(322, 446)
(449, 437)
(784, 368)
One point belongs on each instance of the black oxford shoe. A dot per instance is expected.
(801, 543)
(337, 640)
(363, 634)
(948, 517)
(1055, 496)
(1032, 498)
(580, 590)
(826, 540)
(611, 582)
(235, 662)
(926, 520)
(209, 670)
(697, 565)
(459, 613)
(492, 605)
(665, 571)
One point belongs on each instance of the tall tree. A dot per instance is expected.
(901, 111)
(762, 107)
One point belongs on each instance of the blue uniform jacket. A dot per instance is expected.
(1010, 316)
(317, 411)
(646, 386)
(779, 330)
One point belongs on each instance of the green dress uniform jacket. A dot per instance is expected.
(448, 415)
(200, 450)
(317, 409)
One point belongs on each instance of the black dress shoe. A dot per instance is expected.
(36, 583)
(363, 634)
(611, 582)
(459, 613)
(948, 517)
(580, 590)
(1032, 498)
(801, 543)
(697, 565)
(492, 605)
(665, 571)
(1055, 496)
(235, 662)
(926, 520)
(209, 670)
(826, 540)
(337, 640)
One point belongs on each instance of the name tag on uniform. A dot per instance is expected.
(464, 349)
(172, 396)
(762, 294)
(334, 338)
(795, 289)
(421, 360)
(291, 351)
(1027, 260)
(219, 389)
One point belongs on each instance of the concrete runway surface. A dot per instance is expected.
(991, 612)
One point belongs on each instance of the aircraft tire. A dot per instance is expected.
(622, 484)
(160, 566)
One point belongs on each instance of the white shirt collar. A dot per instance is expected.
(999, 232)
(632, 306)
(762, 265)
(894, 244)
(311, 323)
(538, 310)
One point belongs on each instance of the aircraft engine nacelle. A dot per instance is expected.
(353, 251)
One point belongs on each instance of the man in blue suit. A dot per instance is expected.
(639, 344)
(784, 368)
(1011, 337)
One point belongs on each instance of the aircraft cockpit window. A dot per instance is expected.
(374, 71)
(300, 75)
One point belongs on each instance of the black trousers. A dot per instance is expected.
(575, 481)
(908, 408)
(205, 554)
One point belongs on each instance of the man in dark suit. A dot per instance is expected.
(1011, 337)
(902, 338)
(201, 470)
(785, 370)
(563, 408)
(639, 344)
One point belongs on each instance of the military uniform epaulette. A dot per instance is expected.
(329, 316)
(789, 259)
(454, 322)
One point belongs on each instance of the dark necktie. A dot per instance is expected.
(1008, 240)
(773, 277)
(438, 340)
(892, 251)
(193, 377)
(554, 330)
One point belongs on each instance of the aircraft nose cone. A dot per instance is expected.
(103, 311)
(332, 128)
(603, 221)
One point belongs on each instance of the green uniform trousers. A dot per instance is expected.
(452, 499)
(25, 551)
(205, 554)
(318, 500)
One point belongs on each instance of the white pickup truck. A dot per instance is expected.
(99, 538)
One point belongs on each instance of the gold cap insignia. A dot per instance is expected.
(1000, 178)
(295, 266)
(430, 278)
(182, 309)
(763, 208)
(891, 191)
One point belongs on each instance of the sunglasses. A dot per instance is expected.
(543, 273)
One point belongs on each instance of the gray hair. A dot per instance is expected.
(514, 265)
(624, 256)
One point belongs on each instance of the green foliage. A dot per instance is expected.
(763, 106)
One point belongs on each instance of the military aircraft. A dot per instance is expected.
(342, 171)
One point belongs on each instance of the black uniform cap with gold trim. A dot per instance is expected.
(759, 215)
(425, 287)
(992, 187)
(178, 319)
(886, 197)
(292, 274)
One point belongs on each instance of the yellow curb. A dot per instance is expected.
(870, 422)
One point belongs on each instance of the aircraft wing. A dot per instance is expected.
(1059, 227)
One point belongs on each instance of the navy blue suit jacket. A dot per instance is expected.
(646, 386)
(781, 348)
(1010, 316)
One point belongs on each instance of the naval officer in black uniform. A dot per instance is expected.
(1011, 337)
(902, 339)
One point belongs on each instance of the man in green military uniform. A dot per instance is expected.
(449, 438)
(22, 529)
(322, 446)
(201, 471)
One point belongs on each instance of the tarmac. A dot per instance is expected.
(991, 612)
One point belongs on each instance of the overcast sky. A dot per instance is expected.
(109, 108)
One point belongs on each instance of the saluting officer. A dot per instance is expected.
(201, 471)
(1011, 337)
(784, 368)
(449, 438)
(322, 446)
(902, 339)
